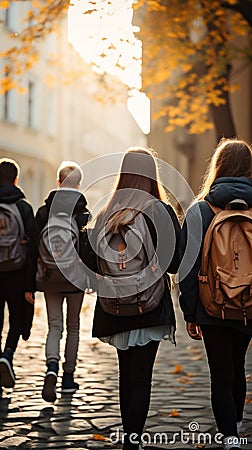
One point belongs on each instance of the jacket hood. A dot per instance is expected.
(67, 200)
(9, 193)
(224, 190)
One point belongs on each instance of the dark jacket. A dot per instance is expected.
(198, 218)
(9, 193)
(70, 201)
(167, 230)
(24, 277)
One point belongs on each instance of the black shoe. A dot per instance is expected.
(49, 388)
(6, 369)
(68, 384)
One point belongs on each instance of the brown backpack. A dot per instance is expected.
(225, 279)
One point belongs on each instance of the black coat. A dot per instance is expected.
(70, 201)
(168, 230)
(198, 218)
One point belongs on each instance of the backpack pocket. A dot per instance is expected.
(233, 287)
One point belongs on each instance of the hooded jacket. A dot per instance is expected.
(68, 200)
(198, 218)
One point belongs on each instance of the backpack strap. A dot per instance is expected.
(214, 208)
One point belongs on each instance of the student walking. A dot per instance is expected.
(226, 328)
(17, 266)
(137, 315)
(64, 204)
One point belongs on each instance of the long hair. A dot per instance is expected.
(137, 184)
(232, 158)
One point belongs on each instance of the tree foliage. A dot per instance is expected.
(42, 18)
(189, 51)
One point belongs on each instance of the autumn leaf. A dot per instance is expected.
(98, 437)
(178, 369)
(90, 11)
(4, 4)
(174, 413)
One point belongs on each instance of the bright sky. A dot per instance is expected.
(106, 38)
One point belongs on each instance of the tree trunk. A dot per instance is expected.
(223, 119)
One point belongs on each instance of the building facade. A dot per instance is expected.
(57, 116)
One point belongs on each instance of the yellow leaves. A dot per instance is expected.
(156, 6)
(90, 11)
(4, 4)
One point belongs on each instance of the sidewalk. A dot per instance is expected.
(180, 396)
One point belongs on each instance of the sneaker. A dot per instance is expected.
(230, 443)
(239, 426)
(6, 369)
(49, 388)
(68, 384)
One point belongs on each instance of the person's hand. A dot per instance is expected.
(193, 330)
(29, 297)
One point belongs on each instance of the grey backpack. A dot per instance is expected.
(130, 280)
(12, 238)
(59, 265)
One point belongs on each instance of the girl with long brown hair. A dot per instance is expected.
(228, 178)
(136, 337)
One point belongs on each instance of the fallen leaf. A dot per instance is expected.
(174, 413)
(98, 437)
(178, 369)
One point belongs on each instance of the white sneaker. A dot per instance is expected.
(239, 426)
(230, 443)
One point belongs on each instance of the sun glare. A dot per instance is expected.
(105, 38)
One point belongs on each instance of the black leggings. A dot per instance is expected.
(226, 350)
(135, 366)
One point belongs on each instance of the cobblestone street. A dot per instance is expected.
(180, 397)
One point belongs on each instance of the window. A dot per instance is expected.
(31, 105)
(11, 17)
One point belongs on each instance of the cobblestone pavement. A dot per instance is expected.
(180, 396)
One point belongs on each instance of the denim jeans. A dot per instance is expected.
(54, 306)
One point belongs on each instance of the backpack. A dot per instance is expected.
(59, 265)
(225, 279)
(12, 238)
(130, 280)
